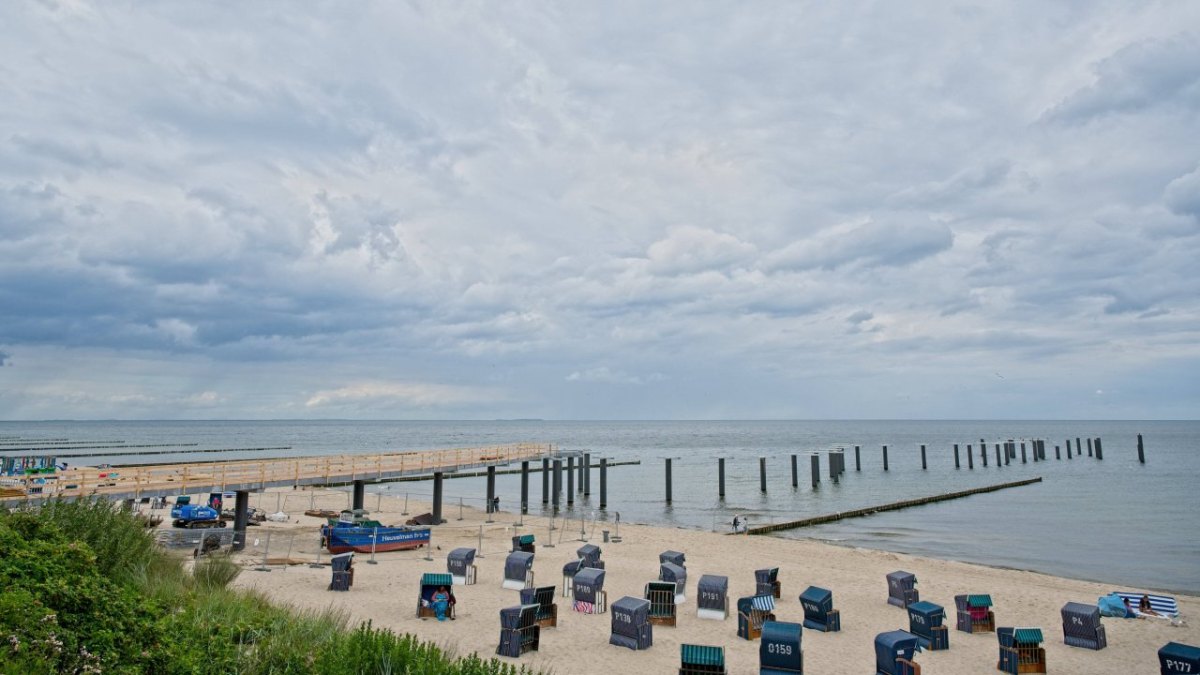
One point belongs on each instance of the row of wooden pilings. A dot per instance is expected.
(1006, 452)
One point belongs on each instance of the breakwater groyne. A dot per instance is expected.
(894, 506)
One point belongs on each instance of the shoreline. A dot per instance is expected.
(385, 593)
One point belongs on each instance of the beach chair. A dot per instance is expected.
(894, 651)
(819, 613)
(523, 543)
(753, 612)
(631, 625)
(519, 631)
(701, 660)
(673, 557)
(712, 597)
(974, 613)
(779, 653)
(925, 620)
(902, 589)
(661, 595)
(588, 589)
(766, 581)
(429, 584)
(460, 563)
(518, 570)
(1163, 605)
(543, 597)
(1021, 650)
(590, 553)
(343, 571)
(1175, 658)
(1082, 627)
(589, 557)
(676, 574)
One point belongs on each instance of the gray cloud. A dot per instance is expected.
(537, 211)
(1146, 74)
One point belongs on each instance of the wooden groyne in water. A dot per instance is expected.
(894, 506)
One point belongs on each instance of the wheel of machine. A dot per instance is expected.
(221, 524)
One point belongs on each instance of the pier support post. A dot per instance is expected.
(815, 464)
(1009, 452)
(491, 489)
(359, 491)
(1023, 459)
(603, 483)
(970, 458)
(1036, 452)
(545, 481)
(923, 464)
(587, 474)
(1058, 452)
(721, 477)
(525, 487)
(1089, 447)
(795, 482)
(998, 463)
(579, 478)
(983, 452)
(668, 480)
(885, 463)
(1099, 449)
(241, 516)
(832, 456)
(1078, 447)
(762, 474)
(956, 462)
(1141, 451)
(570, 481)
(1069, 449)
(438, 477)
(556, 488)
(857, 459)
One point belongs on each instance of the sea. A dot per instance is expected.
(1114, 520)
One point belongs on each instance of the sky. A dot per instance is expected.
(577, 210)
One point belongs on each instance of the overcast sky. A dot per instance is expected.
(670, 210)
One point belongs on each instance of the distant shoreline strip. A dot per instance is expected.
(894, 506)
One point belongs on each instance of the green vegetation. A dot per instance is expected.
(87, 591)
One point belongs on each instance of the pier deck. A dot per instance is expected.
(162, 480)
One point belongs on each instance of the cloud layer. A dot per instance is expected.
(681, 211)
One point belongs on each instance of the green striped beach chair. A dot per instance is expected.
(701, 660)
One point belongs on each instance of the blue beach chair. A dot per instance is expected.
(894, 651)
(1082, 627)
(780, 653)
(631, 625)
(1176, 659)
(925, 620)
(819, 613)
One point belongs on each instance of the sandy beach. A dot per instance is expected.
(386, 594)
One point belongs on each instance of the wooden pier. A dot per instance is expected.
(163, 480)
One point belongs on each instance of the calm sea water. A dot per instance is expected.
(1113, 520)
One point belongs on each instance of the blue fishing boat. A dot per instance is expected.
(347, 534)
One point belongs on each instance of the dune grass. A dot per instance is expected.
(87, 590)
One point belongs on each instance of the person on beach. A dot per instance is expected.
(736, 522)
(440, 602)
(1144, 607)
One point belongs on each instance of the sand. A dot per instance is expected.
(386, 593)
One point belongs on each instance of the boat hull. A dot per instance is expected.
(359, 539)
